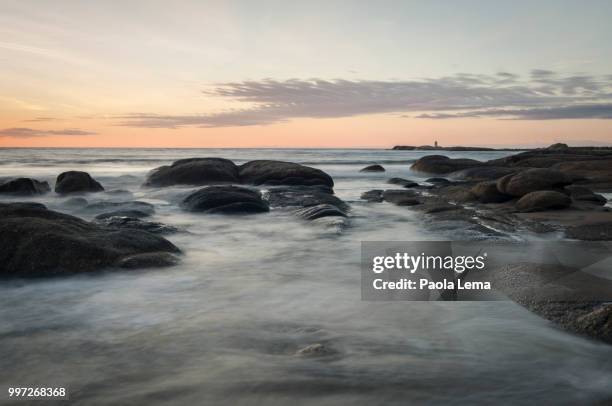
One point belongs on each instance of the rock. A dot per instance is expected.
(583, 194)
(114, 207)
(404, 148)
(531, 180)
(438, 181)
(302, 196)
(136, 223)
(482, 173)
(25, 187)
(457, 193)
(76, 182)
(373, 196)
(225, 200)
(195, 171)
(318, 211)
(265, 172)
(148, 260)
(400, 197)
(123, 213)
(402, 182)
(42, 242)
(373, 168)
(595, 174)
(442, 164)
(543, 200)
(486, 192)
(558, 146)
(315, 350)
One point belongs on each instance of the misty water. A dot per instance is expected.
(224, 326)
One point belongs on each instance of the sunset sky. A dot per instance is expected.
(304, 74)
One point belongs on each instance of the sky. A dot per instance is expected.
(304, 74)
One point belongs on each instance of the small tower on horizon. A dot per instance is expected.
(435, 144)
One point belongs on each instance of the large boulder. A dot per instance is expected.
(24, 187)
(457, 193)
(195, 171)
(482, 173)
(594, 174)
(487, 192)
(265, 172)
(373, 168)
(401, 197)
(543, 200)
(40, 242)
(225, 200)
(531, 180)
(76, 182)
(440, 164)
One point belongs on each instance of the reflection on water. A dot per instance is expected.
(225, 325)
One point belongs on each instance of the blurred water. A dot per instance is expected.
(224, 325)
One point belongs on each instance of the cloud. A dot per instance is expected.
(543, 95)
(21, 132)
(39, 119)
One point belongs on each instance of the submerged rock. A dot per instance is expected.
(123, 213)
(315, 350)
(543, 200)
(532, 180)
(136, 223)
(76, 182)
(302, 196)
(108, 208)
(402, 182)
(42, 242)
(373, 196)
(318, 211)
(438, 181)
(195, 171)
(373, 168)
(400, 197)
(266, 172)
(225, 200)
(25, 187)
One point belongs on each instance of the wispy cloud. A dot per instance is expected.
(39, 119)
(543, 95)
(21, 132)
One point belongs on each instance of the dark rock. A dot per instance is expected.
(265, 172)
(373, 196)
(135, 223)
(594, 174)
(486, 192)
(76, 182)
(195, 171)
(438, 181)
(123, 213)
(41, 242)
(302, 196)
(404, 148)
(531, 180)
(442, 164)
(400, 197)
(583, 194)
(225, 200)
(110, 207)
(482, 173)
(373, 168)
(148, 260)
(459, 194)
(543, 200)
(318, 211)
(402, 182)
(558, 146)
(25, 187)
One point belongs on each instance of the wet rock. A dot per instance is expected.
(315, 350)
(583, 194)
(402, 182)
(114, 207)
(225, 200)
(148, 260)
(136, 223)
(24, 187)
(265, 172)
(302, 196)
(373, 168)
(438, 181)
(531, 180)
(594, 174)
(41, 242)
(459, 194)
(318, 211)
(195, 171)
(400, 197)
(442, 164)
(482, 173)
(123, 213)
(543, 200)
(373, 196)
(487, 192)
(76, 182)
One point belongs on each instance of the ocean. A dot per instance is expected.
(224, 326)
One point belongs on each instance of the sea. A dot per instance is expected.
(226, 325)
